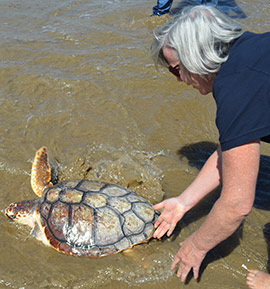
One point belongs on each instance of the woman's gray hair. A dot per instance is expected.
(201, 36)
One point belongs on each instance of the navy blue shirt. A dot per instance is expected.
(242, 92)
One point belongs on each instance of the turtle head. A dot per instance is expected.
(21, 212)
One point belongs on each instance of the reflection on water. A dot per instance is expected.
(77, 77)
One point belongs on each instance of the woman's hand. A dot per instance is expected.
(172, 212)
(175, 208)
(187, 258)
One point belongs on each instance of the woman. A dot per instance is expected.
(204, 48)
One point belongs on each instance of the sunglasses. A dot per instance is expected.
(175, 70)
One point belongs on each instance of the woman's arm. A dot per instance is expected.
(208, 179)
(175, 208)
(240, 170)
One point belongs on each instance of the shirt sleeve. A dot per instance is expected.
(243, 107)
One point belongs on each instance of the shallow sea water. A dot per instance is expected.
(77, 76)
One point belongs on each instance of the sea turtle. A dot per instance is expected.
(83, 217)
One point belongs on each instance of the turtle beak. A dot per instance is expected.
(9, 212)
(11, 217)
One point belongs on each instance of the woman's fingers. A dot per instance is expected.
(158, 221)
(170, 231)
(196, 272)
(161, 230)
(158, 206)
(176, 260)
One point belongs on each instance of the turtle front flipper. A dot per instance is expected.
(41, 172)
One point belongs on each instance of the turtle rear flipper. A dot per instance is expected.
(41, 172)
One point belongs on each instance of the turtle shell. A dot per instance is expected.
(89, 218)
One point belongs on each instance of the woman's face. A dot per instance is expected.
(203, 85)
